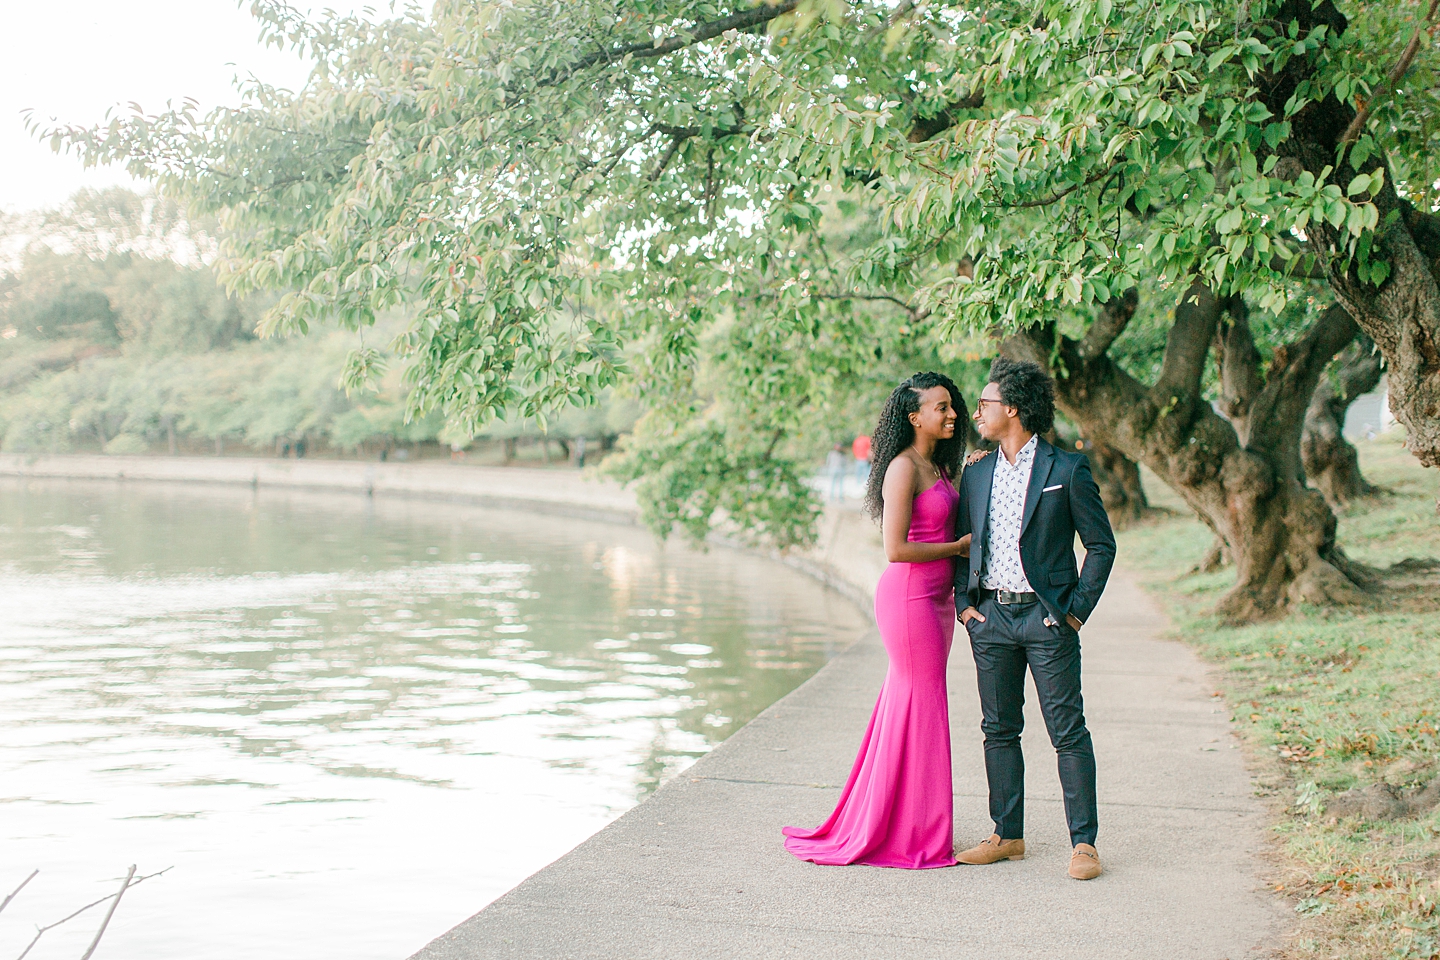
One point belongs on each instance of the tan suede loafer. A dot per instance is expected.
(1085, 862)
(993, 850)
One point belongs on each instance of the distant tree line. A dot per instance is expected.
(115, 336)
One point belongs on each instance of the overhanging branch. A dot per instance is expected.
(649, 50)
(927, 127)
(882, 297)
(1061, 194)
(1240, 379)
(1294, 372)
(1187, 345)
(1109, 323)
(1407, 57)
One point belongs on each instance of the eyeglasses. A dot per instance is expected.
(980, 403)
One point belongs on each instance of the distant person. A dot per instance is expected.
(860, 449)
(1024, 604)
(835, 469)
(580, 452)
(896, 809)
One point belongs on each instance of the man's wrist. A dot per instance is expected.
(1075, 622)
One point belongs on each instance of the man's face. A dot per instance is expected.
(992, 418)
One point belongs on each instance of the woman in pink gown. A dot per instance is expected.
(896, 808)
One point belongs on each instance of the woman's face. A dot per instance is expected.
(936, 417)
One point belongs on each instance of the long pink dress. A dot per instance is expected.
(896, 808)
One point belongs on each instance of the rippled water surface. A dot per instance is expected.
(347, 724)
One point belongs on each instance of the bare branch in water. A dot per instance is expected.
(12, 896)
(110, 913)
(41, 931)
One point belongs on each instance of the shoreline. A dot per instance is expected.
(579, 494)
(553, 492)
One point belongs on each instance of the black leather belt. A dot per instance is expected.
(1008, 596)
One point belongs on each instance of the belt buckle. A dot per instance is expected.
(1001, 595)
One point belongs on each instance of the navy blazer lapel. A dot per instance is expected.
(979, 505)
(1039, 473)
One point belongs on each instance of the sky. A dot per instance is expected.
(74, 59)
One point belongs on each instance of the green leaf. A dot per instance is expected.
(1335, 213)
(1072, 288)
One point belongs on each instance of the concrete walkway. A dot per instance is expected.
(698, 871)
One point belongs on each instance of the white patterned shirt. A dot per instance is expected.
(1003, 570)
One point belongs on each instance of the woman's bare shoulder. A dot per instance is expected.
(900, 475)
(902, 468)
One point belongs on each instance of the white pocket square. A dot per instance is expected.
(1056, 487)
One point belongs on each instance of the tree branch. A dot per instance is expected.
(1360, 371)
(1294, 373)
(1407, 57)
(649, 50)
(110, 913)
(16, 893)
(1109, 323)
(927, 127)
(665, 159)
(914, 313)
(1424, 228)
(1187, 345)
(1061, 194)
(41, 931)
(1240, 379)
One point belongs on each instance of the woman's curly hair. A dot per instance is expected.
(893, 433)
(1027, 388)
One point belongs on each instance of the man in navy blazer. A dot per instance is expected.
(1023, 604)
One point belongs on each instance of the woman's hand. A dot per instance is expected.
(962, 546)
(975, 457)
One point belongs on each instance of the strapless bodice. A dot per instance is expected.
(932, 518)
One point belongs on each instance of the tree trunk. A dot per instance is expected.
(1120, 487)
(1281, 534)
(1117, 476)
(509, 447)
(1216, 557)
(170, 436)
(1402, 313)
(1331, 463)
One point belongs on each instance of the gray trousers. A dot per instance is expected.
(1013, 637)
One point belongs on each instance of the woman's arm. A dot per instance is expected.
(898, 492)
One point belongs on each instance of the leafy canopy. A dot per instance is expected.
(566, 194)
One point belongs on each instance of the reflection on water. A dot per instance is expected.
(347, 724)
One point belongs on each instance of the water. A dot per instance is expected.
(347, 724)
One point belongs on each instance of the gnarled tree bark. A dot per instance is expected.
(1118, 477)
(1251, 493)
(1331, 463)
(1402, 313)
(1121, 488)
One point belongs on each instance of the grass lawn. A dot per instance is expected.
(1329, 700)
